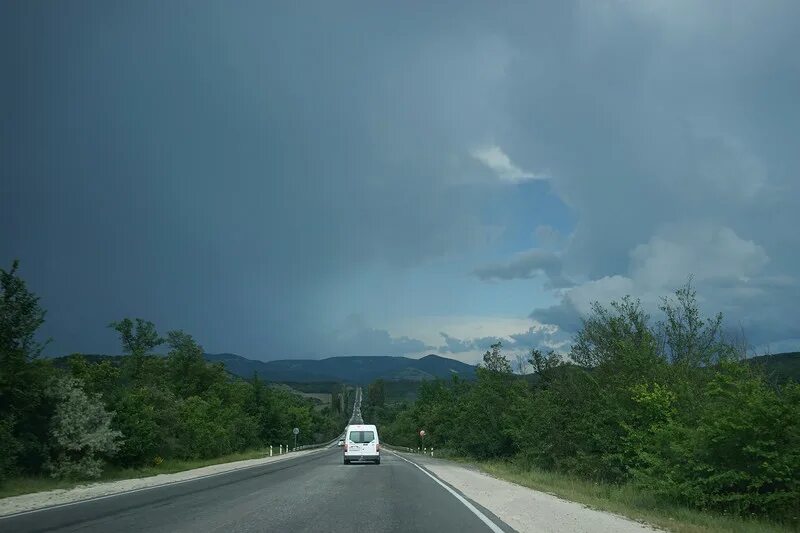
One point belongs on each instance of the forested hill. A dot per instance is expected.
(347, 369)
(780, 367)
(356, 370)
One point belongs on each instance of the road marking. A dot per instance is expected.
(460, 498)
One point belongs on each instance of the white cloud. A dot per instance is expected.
(466, 338)
(600, 290)
(706, 251)
(428, 328)
(536, 335)
(493, 157)
(727, 271)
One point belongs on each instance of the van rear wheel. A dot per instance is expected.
(378, 461)
(347, 462)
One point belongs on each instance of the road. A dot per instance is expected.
(310, 493)
(356, 417)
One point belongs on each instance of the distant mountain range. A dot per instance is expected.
(361, 369)
(365, 369)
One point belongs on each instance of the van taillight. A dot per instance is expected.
(378, 447)
(345, 446)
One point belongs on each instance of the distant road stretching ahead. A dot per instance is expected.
(311, 493)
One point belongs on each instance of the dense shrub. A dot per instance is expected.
(147, 417)
(11, 448)
(199, 434)
(741, 455)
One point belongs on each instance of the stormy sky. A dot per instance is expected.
(299, 179)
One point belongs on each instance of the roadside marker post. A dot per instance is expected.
(270, 450)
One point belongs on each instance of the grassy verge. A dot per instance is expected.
(25, 485)
(625, 500)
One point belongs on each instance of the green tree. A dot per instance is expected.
(11, 447)
(81, 432)
(24, 406)
(740, 455)
(495, 361)
(147, 416)
(544, 364)
(100, 377)
(138, 339)
(200, 433)
(189, 373)
(607, 329)
(482, 428)
(20, 315)
(376, 393)
(687, 337)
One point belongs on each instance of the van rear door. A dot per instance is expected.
(362, 442)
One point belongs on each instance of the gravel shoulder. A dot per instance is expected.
(524, 509)
(40, 500)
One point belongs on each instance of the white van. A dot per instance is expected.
(361, 444)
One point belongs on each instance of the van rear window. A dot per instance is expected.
(362, 436)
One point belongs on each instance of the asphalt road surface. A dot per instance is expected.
(311, 493)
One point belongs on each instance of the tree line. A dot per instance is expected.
(670, 406)
(72, 420)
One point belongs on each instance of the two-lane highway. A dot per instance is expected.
(310, 493)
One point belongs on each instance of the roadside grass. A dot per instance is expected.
(27, 484)
(626, 500)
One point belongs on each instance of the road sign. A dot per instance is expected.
(421, 432)
(296, 431)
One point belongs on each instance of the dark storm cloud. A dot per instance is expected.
(668, 129)
(373, 341)
(233, 169)
(564, 315)
(526, 265)
(542, 337)
(212, 168)
(455, 345)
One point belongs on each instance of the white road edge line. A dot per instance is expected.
(140, 489)
(460, 498)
